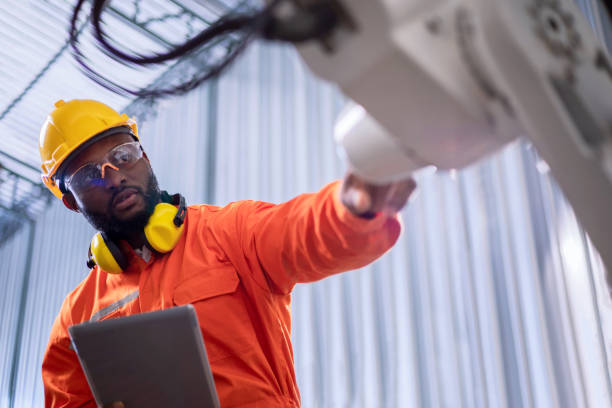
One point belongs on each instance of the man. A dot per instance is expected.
(237, 264)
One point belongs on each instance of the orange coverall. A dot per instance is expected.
(237, 265)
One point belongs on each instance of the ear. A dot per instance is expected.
(70, 202)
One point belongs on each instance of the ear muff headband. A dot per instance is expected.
(179, 218)
(162, 232)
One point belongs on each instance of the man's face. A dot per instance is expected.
(122, 204)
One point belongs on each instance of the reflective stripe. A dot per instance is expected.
(113, 306)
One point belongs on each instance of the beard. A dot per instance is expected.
(121, 229)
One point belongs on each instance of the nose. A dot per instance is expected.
(112, 178)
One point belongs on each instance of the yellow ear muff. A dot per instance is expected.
(161, 231)
(106, 254)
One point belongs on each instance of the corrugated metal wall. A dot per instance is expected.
(12, 267)
(492, 297)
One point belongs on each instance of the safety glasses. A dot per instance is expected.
(91, 175)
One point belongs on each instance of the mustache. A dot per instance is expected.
(121, 190)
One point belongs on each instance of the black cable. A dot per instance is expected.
(306, 23)
(226, 24)
(249, 24)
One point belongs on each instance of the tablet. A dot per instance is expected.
(148, 360)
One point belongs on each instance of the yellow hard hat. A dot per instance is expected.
(70, 126)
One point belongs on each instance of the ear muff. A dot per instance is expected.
(162, 232)
(165, 225)
(106, 254)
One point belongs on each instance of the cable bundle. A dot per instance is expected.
(304, 24)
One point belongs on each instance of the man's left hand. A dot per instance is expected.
(365, 199)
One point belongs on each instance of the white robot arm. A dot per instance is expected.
(446, 82)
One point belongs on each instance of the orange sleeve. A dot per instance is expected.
(311, 237)
(63, 379)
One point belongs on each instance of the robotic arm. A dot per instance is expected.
(439, 82)
(446, 82)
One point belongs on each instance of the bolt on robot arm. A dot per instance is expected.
(446, 82)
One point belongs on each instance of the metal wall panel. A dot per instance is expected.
(57, 266)
(12, 267)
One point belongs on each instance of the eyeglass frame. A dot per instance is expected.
(101, 166)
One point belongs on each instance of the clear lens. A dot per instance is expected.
(125, 154)
(85, 177)
(89, 176)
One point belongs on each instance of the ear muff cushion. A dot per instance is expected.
(161, 233)
(106, 254)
